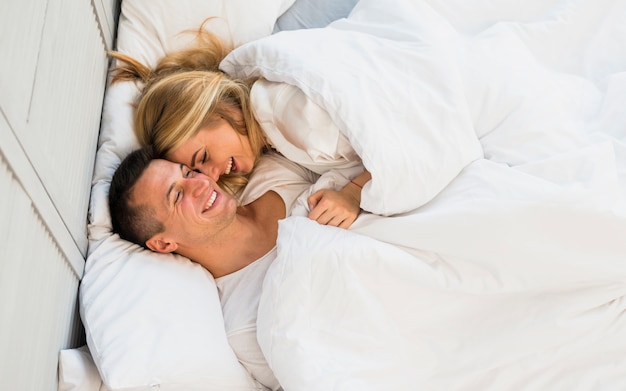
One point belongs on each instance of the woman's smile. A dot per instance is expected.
(231, 166)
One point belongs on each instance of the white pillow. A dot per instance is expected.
(77, 371)
(154, 320)
(149, 29)
(307, 14)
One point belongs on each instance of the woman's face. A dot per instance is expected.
(216, 149)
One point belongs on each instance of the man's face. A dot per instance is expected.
(190, 205)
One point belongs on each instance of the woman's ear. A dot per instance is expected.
(161, 245)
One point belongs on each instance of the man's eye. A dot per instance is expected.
(187, 174)
(179, 195)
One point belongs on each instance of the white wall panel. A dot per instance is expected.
(21, 24)
(107, 12)
(52, 79)
(38, 311)
(60, 137)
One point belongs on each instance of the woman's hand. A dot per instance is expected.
(338, 208)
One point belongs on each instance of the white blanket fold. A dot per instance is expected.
(341, 310)
(395, 94)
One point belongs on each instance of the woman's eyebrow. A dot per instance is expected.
(193, 157)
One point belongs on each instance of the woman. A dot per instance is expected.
(192, 113)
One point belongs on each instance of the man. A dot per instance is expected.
(166, 207)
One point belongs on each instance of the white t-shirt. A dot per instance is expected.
(240, 291)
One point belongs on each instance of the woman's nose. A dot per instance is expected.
(212, 172)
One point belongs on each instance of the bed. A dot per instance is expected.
(491, 253)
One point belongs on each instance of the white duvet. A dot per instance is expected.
(499, 148)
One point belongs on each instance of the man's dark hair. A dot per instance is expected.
(134, 223)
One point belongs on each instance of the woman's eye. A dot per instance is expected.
(187, 173)
(204, 158)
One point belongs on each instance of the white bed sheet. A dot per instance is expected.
(504, 270)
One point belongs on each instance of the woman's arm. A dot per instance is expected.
(338, 208)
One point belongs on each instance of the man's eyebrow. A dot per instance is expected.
(169, 190)
(193, 157)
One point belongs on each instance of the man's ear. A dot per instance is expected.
(161, 245)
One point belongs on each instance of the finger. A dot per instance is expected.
(317, 212)
(346, 223)
(322, 220)
(315, 198)
(320, 214)
(327, 218)
(335, 221)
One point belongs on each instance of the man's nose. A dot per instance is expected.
(197, 185)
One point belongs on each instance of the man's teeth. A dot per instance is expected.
(229, 167)
(211, 200)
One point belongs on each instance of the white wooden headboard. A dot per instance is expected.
(52, 81)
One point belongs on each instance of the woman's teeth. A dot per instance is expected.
(211, 200)
(229, 167)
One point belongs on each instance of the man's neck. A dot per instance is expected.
(252, 234)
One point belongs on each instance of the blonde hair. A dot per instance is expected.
(184, 92)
